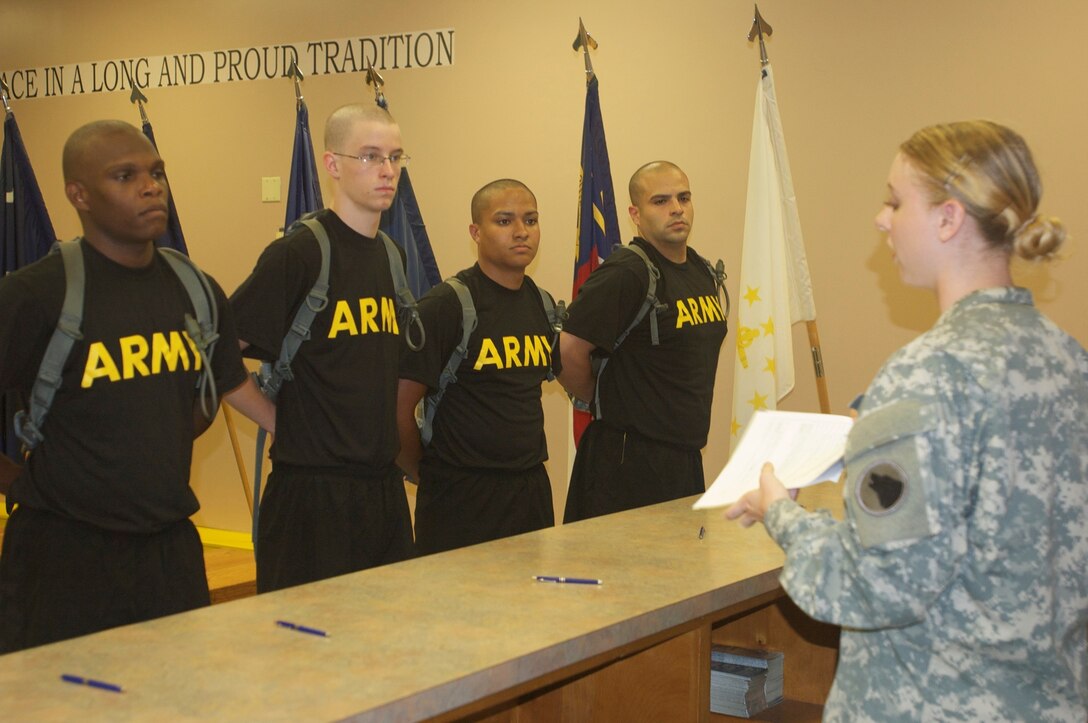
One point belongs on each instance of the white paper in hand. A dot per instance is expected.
(804, 448)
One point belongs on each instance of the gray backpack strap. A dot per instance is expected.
(204, 329)
(650, 303)
(717, 272)
(556, 311)
(405, 301)
(272, 375)
(28, 423)
(469, 321)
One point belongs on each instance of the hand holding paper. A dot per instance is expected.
(753, 506)
(804, 448)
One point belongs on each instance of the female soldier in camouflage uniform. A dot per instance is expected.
(960, 572)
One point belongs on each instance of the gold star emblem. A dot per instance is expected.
(768, 328)
(758, 401)
(734, 427)
(770, 365)
(751, 295)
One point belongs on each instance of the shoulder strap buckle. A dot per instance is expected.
(203, 330)
(406, 302)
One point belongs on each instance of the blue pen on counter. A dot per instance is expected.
(302, 629)
(91, 683)
(570, 580)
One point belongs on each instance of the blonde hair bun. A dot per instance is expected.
(1039, 238)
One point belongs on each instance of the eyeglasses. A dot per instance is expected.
(374, 160)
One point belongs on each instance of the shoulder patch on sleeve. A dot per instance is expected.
(886, 478)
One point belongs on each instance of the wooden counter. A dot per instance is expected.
(463, 635)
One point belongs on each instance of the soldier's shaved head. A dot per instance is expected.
(482, 198)
(343, 119)
(84, 149)
(636, 188)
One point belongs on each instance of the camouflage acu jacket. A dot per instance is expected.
(960, 571)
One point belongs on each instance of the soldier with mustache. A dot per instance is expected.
(651, 401)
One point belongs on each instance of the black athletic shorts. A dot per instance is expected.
(616, 470)
(457, 507)
(60, 578)
(319, 522)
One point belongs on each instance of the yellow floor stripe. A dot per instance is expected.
(225, 538)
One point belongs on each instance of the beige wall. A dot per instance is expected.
(677, 82)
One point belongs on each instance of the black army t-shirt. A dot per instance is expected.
(340, 408)
(663, 392)
(491, 417)
(119, 434)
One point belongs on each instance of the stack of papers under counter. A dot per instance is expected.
(744, 682)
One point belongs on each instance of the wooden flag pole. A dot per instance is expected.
(139, 99)
(818, 365)
(229, 417)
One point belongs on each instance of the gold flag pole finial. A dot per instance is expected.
(296, 77)
(137, 96)
(374, 78)
(4, 97)
(585, 42)
(760, 27)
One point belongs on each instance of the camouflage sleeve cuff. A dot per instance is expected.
(781, 521)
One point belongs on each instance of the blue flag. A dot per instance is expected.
(598, 226)
(403, 221)
(304, 188)
(26, 235)
(173, 237)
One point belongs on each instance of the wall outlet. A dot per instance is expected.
(270, 189)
